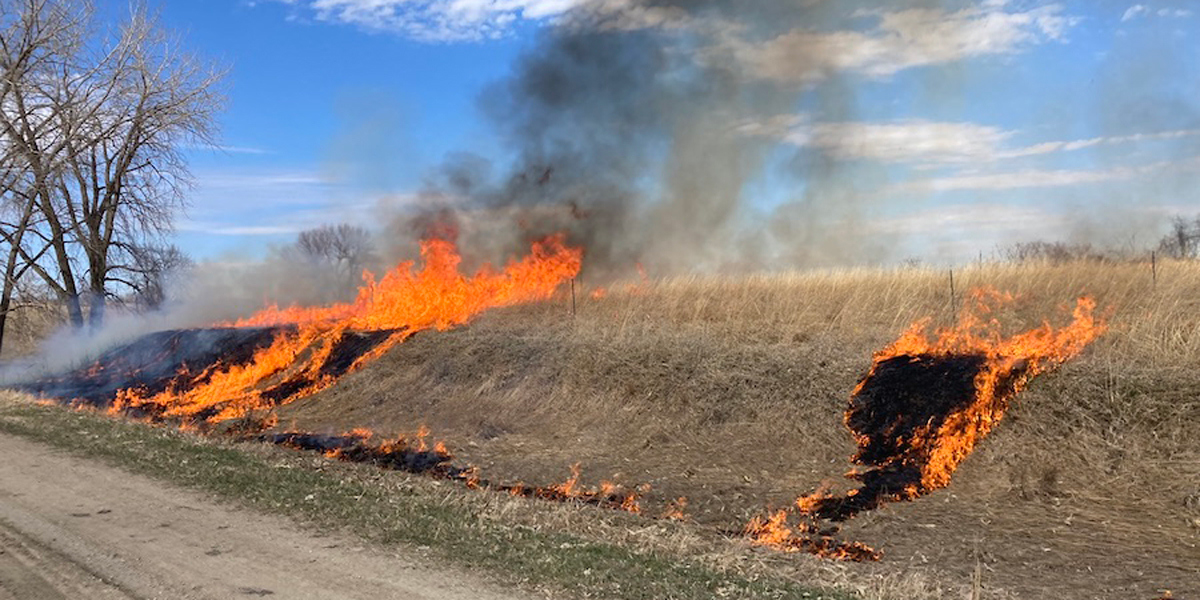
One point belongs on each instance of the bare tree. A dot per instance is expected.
(127, 177)
(38, 39)
(1183, 241)
(345, 248)
(91, 128)
(150, 272)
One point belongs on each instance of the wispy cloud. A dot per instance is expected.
(268, 203)
(434, 20)
(256, 181)
(906, 141)
(226, 149)
(1142, 10)
(904, 39)
(973, 217)
(217, 228)
(1012, 180)
(1042, 178)
(1134, 12)
(929, 143)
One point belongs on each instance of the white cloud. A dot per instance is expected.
(1140, 10)
(928, 143)
(1134, 12)
(435, 20)
(1178, 13)
(975, 218)
(1028, 178)
(902, 141)
(226, 149)
(904, 39)
(1038, 178)
(218, 228)
(1049, 147)
(977, 156)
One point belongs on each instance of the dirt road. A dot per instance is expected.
(73, 528)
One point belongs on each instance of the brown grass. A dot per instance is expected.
(28, 324)
(730, 391)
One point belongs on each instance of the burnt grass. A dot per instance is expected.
(350, 448)
(154, 363)
(348, 348)
(896, 415)
(173, 360)
(398, 455)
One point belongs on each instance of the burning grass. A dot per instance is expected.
(732, 393)
(231, 378)
(920, 412)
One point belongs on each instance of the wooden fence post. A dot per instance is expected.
(953, 304)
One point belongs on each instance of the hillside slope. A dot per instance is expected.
(731, 393)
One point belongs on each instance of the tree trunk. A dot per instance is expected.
(10, 267)
(98, 299)
(58, 238)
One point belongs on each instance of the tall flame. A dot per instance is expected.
(301, 359)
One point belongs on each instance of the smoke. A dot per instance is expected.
(664, 133)
(201, 296)
(632, 125)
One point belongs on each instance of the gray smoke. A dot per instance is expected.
(647, 128)
(631, 125)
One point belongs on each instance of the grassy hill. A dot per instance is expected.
(731, 391)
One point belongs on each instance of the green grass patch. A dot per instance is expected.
(516, 554)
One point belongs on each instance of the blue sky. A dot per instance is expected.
(980, 123)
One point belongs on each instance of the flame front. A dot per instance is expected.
(921, 410)
(308, 354)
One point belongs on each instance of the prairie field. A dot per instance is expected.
(730, 392)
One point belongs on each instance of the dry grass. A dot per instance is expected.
(730, 391)
(27, 326)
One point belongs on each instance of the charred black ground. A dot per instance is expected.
(175, 360)
(896, 416)
(154, 363)
(351, 346)
(404, 455)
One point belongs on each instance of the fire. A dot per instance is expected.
(315, 346)
(438, 296)
(775, 532)
(1009, 363)
(924, 406)
(413, 455)
(677, 510)
(607, 494)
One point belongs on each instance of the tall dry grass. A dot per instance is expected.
(28, 324)
(730, 391)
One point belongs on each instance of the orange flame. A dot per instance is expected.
(677, 510)
(1032, 352)
(403, 302)
(938, 447)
